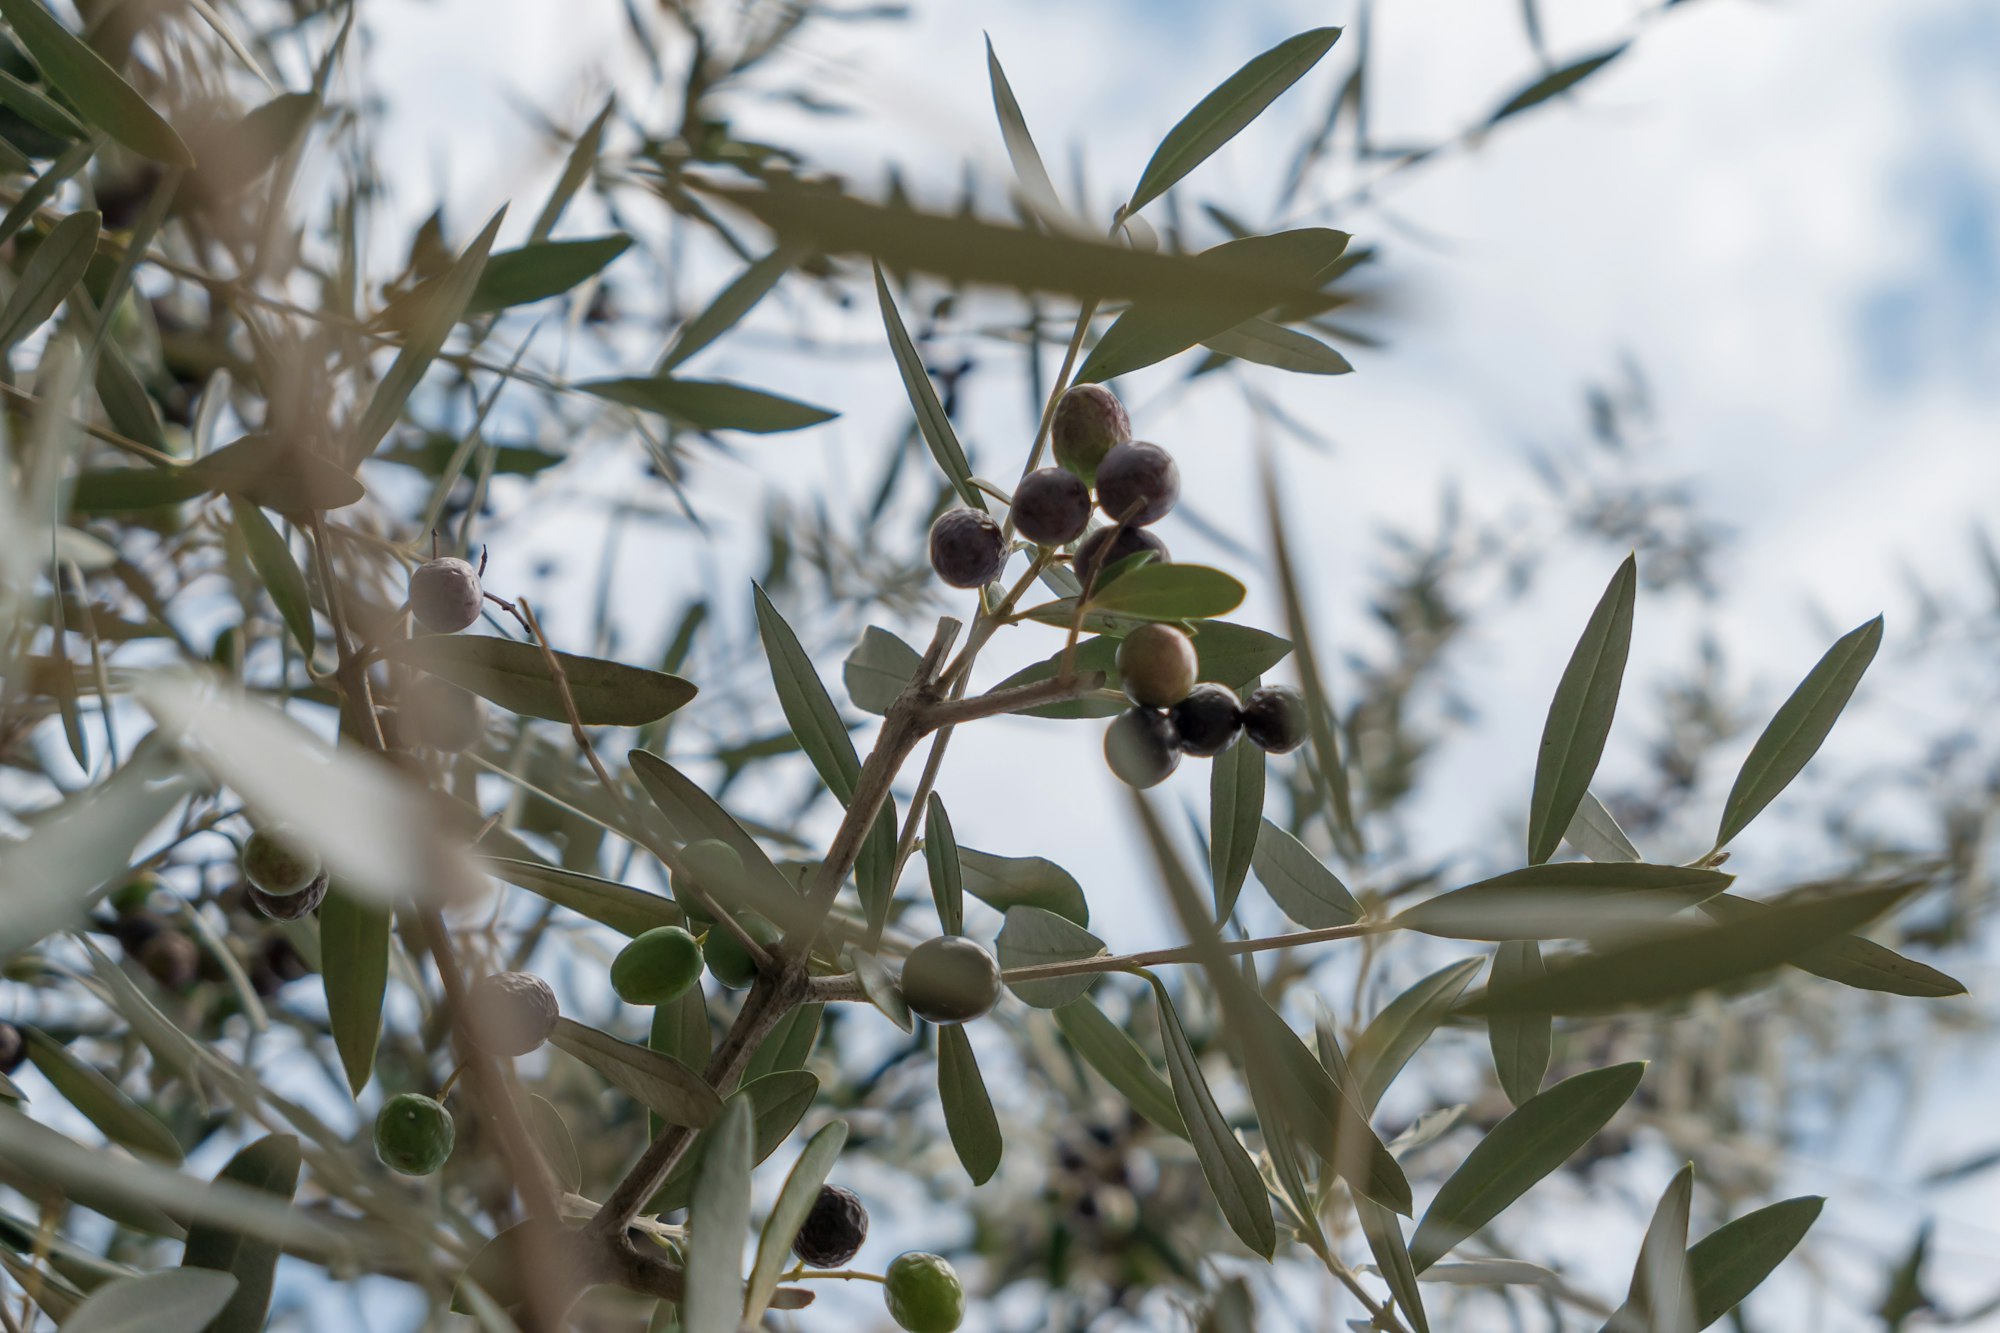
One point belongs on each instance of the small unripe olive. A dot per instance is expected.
(445, 595)
(1141, 747)
(136, 893)
(1107, 546)
(728, 961)
(413, 1134)
(1274, 717)
(511, 1013)
(439, 715)
(275, 863)
(658, 967)
(1089, 420)
(173, 960)
(710, 865)
(833, 1230)
(289, 906)
(950, 979)
(1138, 483)
(923, 1293)
(1051, 506)
(1207, 719)
(13, 1048)
(1156, 664)
(968, 550)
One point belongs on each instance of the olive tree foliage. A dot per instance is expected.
(231, 437)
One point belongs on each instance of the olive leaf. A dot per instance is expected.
(789, 1044)
(1232, 1176)
(1574, 900)
(99, 95)
(777, 1101)
(1325, 1115)
(883, 989)
(556, 1144)
(946, 867)
(1384, 1234)
(1298, 882)
(1033, 937)
(931, 419)
(717, 1219)
(788, 1214)
(541, 269)
(695, 815)
(270, 1164)
(354, 969)
(516, 676)
(1554, 83)
(272, 558)
(629, 911)
(1006, 882)
(968, 1110)
(1850, 960)
(1110, 1050)
(120, 1118)
(1404, 1025)
(1272, 344)
(1235, 821)
(1731, 1261)
(711, 405)
(1660, 1298)
(731, 304)
(1036, 187)
(878, 669)
(677, 1093)
(176, 1300)
(1596, 834)
(1169, 592)
(1580, 716)
(1520, 1041)
(51, 273)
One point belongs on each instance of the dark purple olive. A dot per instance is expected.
(1138, 483)
(1051, 507)
(1274, 717)
(1141, 747)
(1089, 421)
(968, 549)
(1207, 719)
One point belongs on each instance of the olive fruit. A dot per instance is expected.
(656, 968)
(510, 1013)
(1274, 717)
(1051, 506)
(13, 1048)
(968, 550)
(413, 1134)
(728, 961)
(1089, 420)
(172, 959)
(290, 906)
(1107, 546)
(1207, 719)
(1138, 483)
(1141, 747)
(950, 979)
(440, 716)
(137, 892)
(833, 1230)
(276, 864)
(710, 865)
(1157, 666)
(923, 1293)
(445, 595)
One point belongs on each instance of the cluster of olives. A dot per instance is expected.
(1173, 713)
(285, 881)
(445, 597)
(922, 1291)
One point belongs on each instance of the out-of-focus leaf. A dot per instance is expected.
(1235, 818)
(282, 578)
(931, 419)
(1731, 1261)
(946, 866)
(717, 1219)
(552, 1137)
(1596, 834)
(1329, 1120)
(1573, 900)
(1535, 1139)
(424, 339)
(171, 1048)
(731, 304)
(576, 170)
(680, 1031)
(1555, 82)
(270, 1164)
(80, 1267)
(778, 1102)
(677, 1093)
(182, 1300)
(132, 411)
(1269, 343)
(1032, 937)
(1661, 1296)
(1384, 1234)
(1036, 187)
(43, 112)
(236, 155)
(883, 989)
(116, 490)
(1693, 958)
(1799, 727)
(354, 969)
(789, 1045)
(1298, 882)
(1220, 116)
(1580, 716)
(788, 1214)
(1110, 1050)
(711, 404)
(878, 669)
(1520, 1041)
(968, 1111)
(629, 911)
(542, 269)
(121, 1119)
(694, 815)
(278, 474)
(1405, 1024)
(1170, 592)
(1232, 1175)
(1850, 960)
(1006, 882)
(516, 676)
(50, 274)
(99, 95)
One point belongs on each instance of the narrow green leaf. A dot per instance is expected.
(122, 489)
(74, 159)
(178, 1300)
(1007, 882)
(947, 872)
(931, 419)
(730, 305)
(1235, 818)
(1580, 716)
(1799, 728)
(789, 1045)
(1324, 1113)
(629, 911)
(272, 558)
(1731, 1261)
(680, 1032)
(126, 402)
(1850, 960)
(556, 1144)
(1221, 116)
(788, 1214)
(39, 110)
(51, 273)
(354, 968)
(542, 269)
(1554, 83)
(695, 815)
(883, 988)
(1298, 882)
(1232, 1175)
(1269, 343)
(99, 95)
(1596, 834)
(576, 170)
(421, 344)
(712, 404)
(677, 1093)
(1032, 937)
(1036, 187)
(1534, 1140)
(878, 669)
(1520, 1041)
(515, 675)
(1384, 1234)
(1573, 900)
(777, 1102)
(277, 473)
(1110, 1050)
(270, 1164)
(968, 1111)
(1405, 1024)
(121, 1119)
(717, 1219)
(1155, 591)
(1661, 1296)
